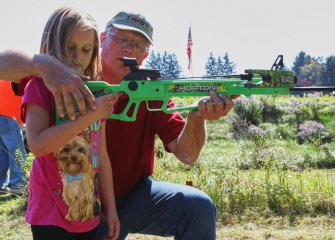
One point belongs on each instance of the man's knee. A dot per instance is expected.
(200, 205)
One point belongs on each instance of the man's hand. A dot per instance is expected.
(65, 84)
(215, 107)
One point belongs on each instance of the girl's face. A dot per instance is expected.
(80, 49)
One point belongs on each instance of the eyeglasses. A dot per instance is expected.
(124, 42)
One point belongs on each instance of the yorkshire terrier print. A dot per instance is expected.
(79, 179)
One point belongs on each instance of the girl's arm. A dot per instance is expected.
(107, 189)
(44, 140)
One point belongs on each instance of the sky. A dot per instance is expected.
(252, 32)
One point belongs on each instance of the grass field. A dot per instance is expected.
(268, 182)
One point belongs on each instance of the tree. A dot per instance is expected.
(219, 66)
(312, 71)
(299, 62)
(227, 66)
(211, 65)
(154, 61)
(167, 65)
(329, 73)
(174, 69)
(164, 69)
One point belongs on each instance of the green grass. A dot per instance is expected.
(12, 209)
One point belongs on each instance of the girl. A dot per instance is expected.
(71, 169)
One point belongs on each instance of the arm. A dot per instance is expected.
(107, 189)
(15, 65)
(43, 139)
(62, 81)
(188, 145)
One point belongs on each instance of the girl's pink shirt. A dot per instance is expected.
(45, 202)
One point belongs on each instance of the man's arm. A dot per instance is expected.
(188, 145)
(16, 65)
(62, 81)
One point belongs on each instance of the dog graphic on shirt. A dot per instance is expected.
(79, 179)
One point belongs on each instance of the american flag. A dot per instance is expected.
(189, 50)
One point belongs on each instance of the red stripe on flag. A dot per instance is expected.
(189, 50)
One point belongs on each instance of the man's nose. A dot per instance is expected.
(130, 46)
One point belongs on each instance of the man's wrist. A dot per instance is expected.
(194, 116)
(39, 62)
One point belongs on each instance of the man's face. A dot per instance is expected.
(116, 44)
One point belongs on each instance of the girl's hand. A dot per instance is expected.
(105, 105)
(113, 226)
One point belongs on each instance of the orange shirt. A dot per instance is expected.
(10, 105)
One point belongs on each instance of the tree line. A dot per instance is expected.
(310, 71)
(169, 66)
(314, 71)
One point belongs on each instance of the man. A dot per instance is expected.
(62, 81)
(144, 205)
(12, 150)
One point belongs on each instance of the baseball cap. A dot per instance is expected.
(134, 22)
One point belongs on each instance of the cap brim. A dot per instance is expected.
(126, 27)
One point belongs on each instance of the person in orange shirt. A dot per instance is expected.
(12, 150)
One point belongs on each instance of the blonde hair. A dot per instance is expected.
(58, 30)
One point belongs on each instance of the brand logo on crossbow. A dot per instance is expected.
(288, 79)
(193, 88)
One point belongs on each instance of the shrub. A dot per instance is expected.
(313, 132)
(297, 112)
(285, 131)
(271, 112)
(327, 160)
(249, 110)
(315, 105)
(257, 135)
